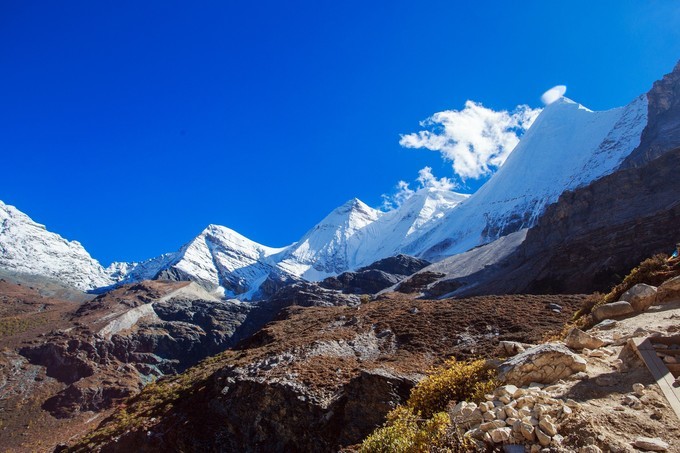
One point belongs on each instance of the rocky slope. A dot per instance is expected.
(321, 377)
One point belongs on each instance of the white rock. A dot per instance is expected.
(527, 430)
(511, 412)
(488, 426)
(500, 435)
(650, 444)
(578, 339)
(548, 427)
(612, 310)
(505, 390)
(511, 347)
(640, 296)
(543, 438)
(639, 389)
(545, 363)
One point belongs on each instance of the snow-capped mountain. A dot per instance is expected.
(334, 244)
(219, 259)
(567, 146)
(26, 246)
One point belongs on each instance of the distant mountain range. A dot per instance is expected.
(567, 147)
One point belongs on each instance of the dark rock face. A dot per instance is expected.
(100, 369)
(364, 282)
(319, 425)
(274, 282)
(663, 121)
(376, 277)
(322, 378)
(418, 282)
(398, 265)
(593, 236)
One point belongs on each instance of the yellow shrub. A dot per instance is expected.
(452, 382)
(406, 432)
(423, 425)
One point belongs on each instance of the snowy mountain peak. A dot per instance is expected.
(354, 211)
(26, 246)
(567, 146)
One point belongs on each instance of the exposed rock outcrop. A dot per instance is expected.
(663, 125)
(669, 290)
(376, 277)
(544, 364)
(593, 236)
(321, 378)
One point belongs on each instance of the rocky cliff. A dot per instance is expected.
(662, 132)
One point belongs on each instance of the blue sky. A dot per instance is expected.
(130, 126)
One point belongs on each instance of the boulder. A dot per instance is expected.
(511, 348)
(640, 296)
(650, 444)
(669, 290)
(578, 339)
(612, 310)
(545, 364)
(500, 435)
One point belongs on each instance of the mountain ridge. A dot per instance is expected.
(567, 147)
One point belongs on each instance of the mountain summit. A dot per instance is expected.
(27, 247)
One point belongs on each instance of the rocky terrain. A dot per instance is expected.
(229, 345)
(319, 378)
(71, 359)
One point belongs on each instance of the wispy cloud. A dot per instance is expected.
(402, 193)
(477, 140)
(425, 180)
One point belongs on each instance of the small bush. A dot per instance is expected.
(406, 432)
(452, 382)
(422, 424)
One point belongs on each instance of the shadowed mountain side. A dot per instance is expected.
(594, 235)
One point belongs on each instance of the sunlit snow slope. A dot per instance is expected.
(26, 246)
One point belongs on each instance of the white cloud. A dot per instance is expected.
(395, 200)
(426, 180)
(553, 94)
(476, 139)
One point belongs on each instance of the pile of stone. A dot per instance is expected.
(528, 416)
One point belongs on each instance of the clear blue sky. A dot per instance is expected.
(130, 126)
